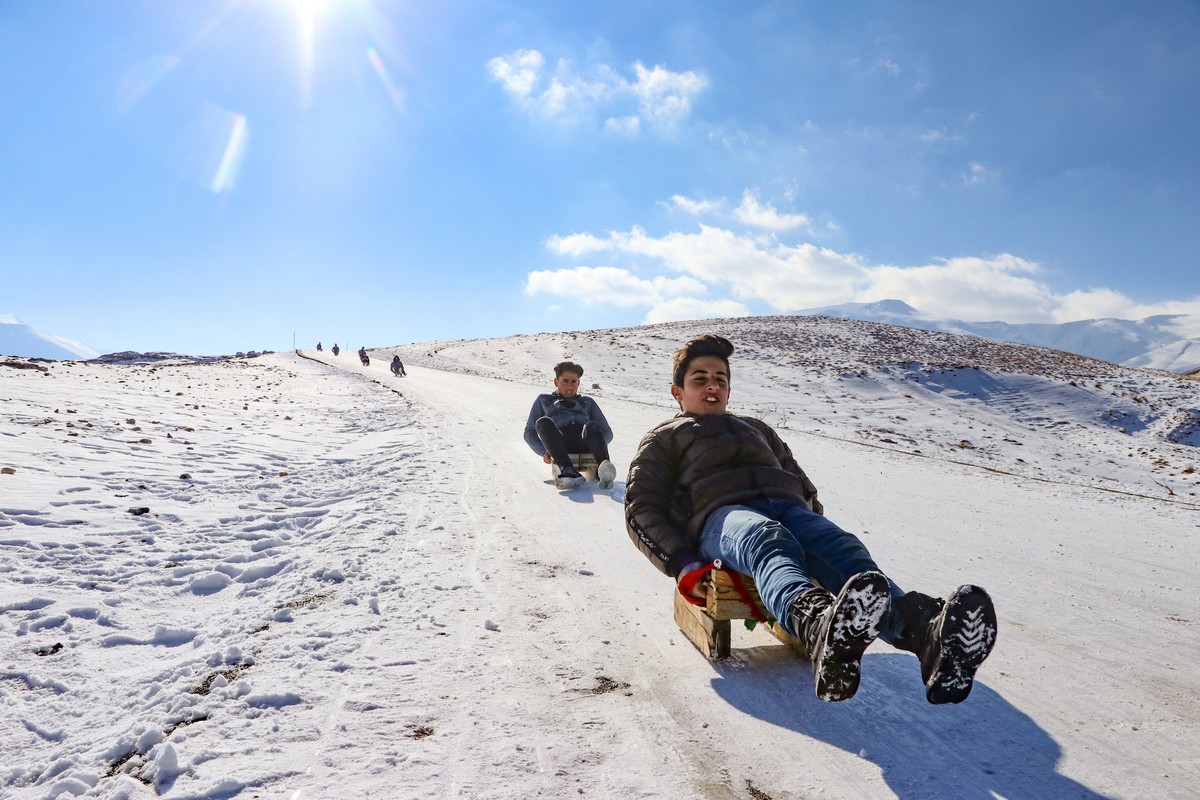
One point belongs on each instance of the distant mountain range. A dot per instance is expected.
(19, 339)
(1169, 342)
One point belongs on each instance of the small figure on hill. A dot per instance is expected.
(564, 422)
(335, 350)
(398, 367)
(708, 486)
(318, 347)
(363, 357)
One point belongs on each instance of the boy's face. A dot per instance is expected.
(567, 384)
(705, 387)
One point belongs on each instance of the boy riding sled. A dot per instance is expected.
(564, 422)
(709, 486)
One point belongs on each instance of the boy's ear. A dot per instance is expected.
(677, 393)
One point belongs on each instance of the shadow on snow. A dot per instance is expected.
(979, 750)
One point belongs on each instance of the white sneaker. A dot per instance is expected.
(606, 473)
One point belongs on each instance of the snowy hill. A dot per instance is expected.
(1168, 342)
(19, 339)
(295, 576)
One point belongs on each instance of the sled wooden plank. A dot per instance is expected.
(711, 636)
(708, 626)
(725, 601)
(585, 463)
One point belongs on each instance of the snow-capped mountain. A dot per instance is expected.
(1168, 341)
(19, 339)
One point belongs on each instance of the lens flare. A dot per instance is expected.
(231, 158)
(212, 147)
(397, 95)
(142, 77)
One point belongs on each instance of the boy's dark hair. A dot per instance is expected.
(707, 345)
(567, 366)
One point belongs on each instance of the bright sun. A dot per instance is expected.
(307, 12)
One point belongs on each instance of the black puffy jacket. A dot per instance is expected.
(691, 465)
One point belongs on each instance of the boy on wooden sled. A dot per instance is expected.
(708, 485)
(565, 424)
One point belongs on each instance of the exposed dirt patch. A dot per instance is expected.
(301, 602)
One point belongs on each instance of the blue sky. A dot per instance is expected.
(206, 177)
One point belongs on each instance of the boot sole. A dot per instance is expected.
(968, 634)
(858, 611)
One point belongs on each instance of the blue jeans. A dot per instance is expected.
(785, 547)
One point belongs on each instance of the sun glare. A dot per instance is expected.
(307, 13)
(318, 23)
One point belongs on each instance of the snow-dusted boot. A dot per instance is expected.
(951, 638)
(568, 478)
(837, 630)
(606, 473)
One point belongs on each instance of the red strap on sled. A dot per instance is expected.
(688, 581)
(744, 594)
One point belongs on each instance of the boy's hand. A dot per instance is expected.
(693, 582)
(547, 459)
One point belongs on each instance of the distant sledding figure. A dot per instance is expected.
(318, 347)
(363, 357)
(398, 367)
(335, 350)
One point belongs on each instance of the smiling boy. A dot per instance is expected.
(563, 422)
(708, 485)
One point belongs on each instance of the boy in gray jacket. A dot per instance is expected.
(708, 486)
(564, 422)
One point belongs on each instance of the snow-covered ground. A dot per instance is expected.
(293, 576)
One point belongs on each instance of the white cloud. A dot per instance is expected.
(759, 268)
(693, 207)
(932, 136)
(619, 287)
(1094, 304)
(749, 268)
(714, 271)
(665, 97)
(577, 244)
(623, 126)
(519, 72)
(977, 175)
(563, 95)
(1101, 303)
(730, 140)
(1005, 287)
(693, 308)
(662, 98)
(753, 212)
(976, 289)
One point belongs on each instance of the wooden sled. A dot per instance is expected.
(708, 626)
(584, 462)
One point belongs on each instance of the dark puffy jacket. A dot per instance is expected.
(563, 411)
(691, 465)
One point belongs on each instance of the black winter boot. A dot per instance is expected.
(951, 639)
(836, 631)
